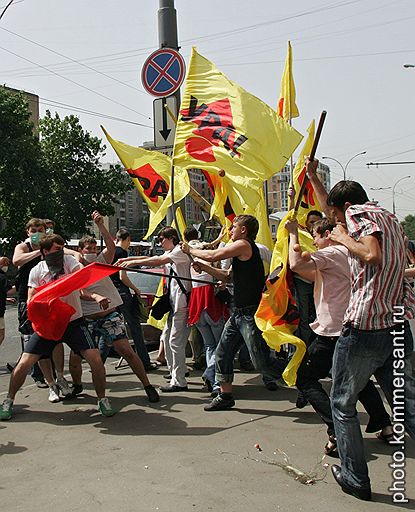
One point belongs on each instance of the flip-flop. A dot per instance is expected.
(386, 438)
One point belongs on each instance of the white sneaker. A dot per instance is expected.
(53, 394)
(63, 386)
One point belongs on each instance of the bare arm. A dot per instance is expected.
(217, 273)
(151, 261)
(103, 302)
(239, 249)
(109, 251)
(319, 189)
(299, 262)
(21, 255)
(127, 281)
(366, 249)
(410, 272)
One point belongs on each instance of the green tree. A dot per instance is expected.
(22, 194)
(77, 182)
(408, 225)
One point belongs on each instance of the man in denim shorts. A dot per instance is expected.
(76, 335)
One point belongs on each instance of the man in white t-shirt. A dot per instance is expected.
(176, 330)
(55, 265)
(107, 327)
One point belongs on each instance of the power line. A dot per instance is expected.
(53, 103)
(5, 9)
(74, 82)
(72, 60)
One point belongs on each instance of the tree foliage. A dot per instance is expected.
(408, 225)
(21, 190)
(78, 184)
(58, 176)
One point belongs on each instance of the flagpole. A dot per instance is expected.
(311, 158)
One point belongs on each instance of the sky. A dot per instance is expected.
(348, 58)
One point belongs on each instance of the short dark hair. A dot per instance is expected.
(170, 233)
(47, 241)
(314, 212)
(346, 192)
(122, 234)
(35, 223)
(190, 233)
(251, 224)
(49, 221)
(323, 225)
(87, 239)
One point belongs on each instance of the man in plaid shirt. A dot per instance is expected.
(376, 337)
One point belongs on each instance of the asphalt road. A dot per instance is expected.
(173, 456)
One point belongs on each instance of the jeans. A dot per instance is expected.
(359, 355)
(316, 365)
(211, 332)
(241, 327)
(174, 336)
(130, 314)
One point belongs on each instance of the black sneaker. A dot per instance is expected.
(173, 389)
(301, 401)
(219, 404)
(77, 389)
(168, 376)
(152, 394)
(271, 386)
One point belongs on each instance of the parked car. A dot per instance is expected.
(148, 284)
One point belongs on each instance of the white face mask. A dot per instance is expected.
(90, 258)
(5, 269)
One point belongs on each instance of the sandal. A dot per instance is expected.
(151, 366)
(330, 448)
(160, 363)
(386, 438)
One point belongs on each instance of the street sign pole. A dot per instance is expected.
(168, 38)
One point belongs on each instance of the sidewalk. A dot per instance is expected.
(173, 456)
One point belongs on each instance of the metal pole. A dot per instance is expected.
(393, 193)
(167, 35)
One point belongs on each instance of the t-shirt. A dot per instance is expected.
(181, 266)
(119, 253)
(104, 287)
(331, 289)
(40, 275)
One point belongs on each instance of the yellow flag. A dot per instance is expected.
(287, 109)
(277, 316)
(180, 221)
(309, 200)
(158, 324)
(150, 172)
(227, 131)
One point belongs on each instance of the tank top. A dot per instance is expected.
(248, 279)
(23, 275)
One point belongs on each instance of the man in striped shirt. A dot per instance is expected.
(376, 337)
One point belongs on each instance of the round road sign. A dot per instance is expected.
(163, 72)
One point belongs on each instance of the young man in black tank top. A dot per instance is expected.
(248, 279)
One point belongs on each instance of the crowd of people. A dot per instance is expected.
(353, 294)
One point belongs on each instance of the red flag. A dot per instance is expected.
(48, 314)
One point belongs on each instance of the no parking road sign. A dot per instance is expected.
(163, 72)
